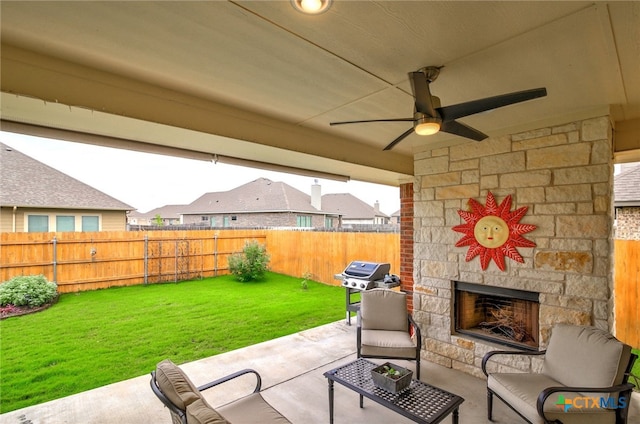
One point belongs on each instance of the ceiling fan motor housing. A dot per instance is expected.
(431, 72)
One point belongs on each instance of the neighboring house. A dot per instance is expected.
(395, 217)
(37, 198)
(354, 211)
(261, 203)
(169, 215)
(627, 202)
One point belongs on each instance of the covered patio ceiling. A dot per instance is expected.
(257, 82)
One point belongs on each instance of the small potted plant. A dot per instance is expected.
(391, 377)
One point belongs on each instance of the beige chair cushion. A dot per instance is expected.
(521, 390)
(383, 309)
(387, 343)
(585, 357)
(175, 384)
(252, 409)
(200, 412)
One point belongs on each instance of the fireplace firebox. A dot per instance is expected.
(500, 315)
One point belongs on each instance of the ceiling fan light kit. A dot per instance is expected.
(426, 125)
(430, 118)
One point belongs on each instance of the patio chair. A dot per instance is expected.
(583, 380)
(187, 406)
(385, 328)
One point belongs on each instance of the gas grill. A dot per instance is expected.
(359, 276)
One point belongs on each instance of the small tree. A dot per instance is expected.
(157, 220)
(251, 264)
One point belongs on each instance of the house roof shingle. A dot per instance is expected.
(26, 182)
(626, 187)
(349, 206)
(166, 211)
(261, 195)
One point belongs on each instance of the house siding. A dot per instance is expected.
(108, 220)
(251, 220)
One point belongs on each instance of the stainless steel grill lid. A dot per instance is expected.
(367, 270)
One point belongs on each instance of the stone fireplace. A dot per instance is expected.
(564, 175)
(504, 316)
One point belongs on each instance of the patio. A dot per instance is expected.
(292, 381)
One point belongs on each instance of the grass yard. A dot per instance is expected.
(91, 339)
(635, 371)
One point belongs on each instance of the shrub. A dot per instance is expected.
(27, 290)
(251, 264)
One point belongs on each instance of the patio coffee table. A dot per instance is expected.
(421, 402)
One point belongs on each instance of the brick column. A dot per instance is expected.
(406, 241)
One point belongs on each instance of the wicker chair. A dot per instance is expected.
(187, 406)
(583, 380)
(384, 327)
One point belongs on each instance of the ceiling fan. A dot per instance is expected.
(429, 117)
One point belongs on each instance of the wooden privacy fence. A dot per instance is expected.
(321, 255)
(89, 261)
(627, 291)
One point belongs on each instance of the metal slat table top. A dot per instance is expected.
(420, 402)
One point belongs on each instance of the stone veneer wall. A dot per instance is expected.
(564, 174)
(628, 223)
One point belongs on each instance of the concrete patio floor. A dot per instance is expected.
(292, 370)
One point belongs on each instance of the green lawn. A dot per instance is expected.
(635, 371)
(90, 339)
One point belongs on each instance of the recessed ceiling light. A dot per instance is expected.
(311, 7)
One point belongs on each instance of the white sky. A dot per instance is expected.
(147, 181)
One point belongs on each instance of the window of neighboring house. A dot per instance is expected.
(226, 221)
(90, 223)
(65, 223)
(212, 221)
(37, 223)
(204, 218)
(328, 222)
(303, 221)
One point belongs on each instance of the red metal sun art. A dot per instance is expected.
(493, 231)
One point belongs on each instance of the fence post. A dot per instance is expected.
(55, 260)
(215, 255)
(201, 258)
(146, 259)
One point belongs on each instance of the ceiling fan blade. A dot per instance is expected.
(373, 120)
(455, 127)
(422, 94)
(399, 139)
(449, 113)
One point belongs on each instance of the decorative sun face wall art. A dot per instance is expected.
(493, 231)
